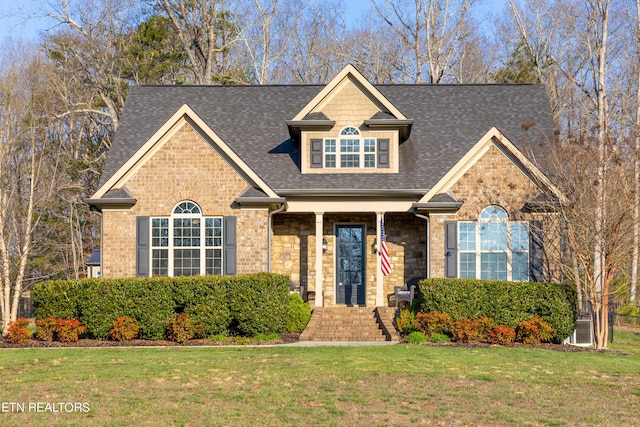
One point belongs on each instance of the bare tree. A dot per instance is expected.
(374, 49)
(26, 177)
(432, 32)
(316, 51)
(207, 31)
(636, 196)
(91, 45)
(265, 35)
(582, 230)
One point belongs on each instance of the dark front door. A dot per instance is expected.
(350, 268)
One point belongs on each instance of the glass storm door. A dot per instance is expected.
(350, 268)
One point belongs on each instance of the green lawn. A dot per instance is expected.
(326, 386)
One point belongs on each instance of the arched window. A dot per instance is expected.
(186, 208)
(186, 243)
(352, 151)
(494, 247)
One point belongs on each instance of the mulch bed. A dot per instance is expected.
(284, 339)
(89, 343)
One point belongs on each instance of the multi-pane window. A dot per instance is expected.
(350, 151)
(494, 247)
(369, 153)
(180, 243)
(329, 153)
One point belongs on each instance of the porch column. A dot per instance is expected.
(379, 276)
(319, 275)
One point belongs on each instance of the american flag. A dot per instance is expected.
(384, 252)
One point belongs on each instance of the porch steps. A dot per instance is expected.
(342, 323)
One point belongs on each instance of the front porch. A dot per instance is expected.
(333, 257)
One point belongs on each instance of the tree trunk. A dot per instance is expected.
(636, 164)
(600, 257)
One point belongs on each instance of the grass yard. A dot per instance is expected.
(321, 386)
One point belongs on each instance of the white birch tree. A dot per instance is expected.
(25, 174)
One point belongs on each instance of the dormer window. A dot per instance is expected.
(350, 151)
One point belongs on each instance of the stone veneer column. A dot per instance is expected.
(379, 276)
(319, 275)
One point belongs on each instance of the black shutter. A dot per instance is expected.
(229, 245)
(450, 249)
(316, 153)
(383, 153)
(142, 246)
(536, 252)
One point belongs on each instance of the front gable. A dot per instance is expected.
(349, 127)
(185, 117)
(490, 167)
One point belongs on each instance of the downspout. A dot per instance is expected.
(426, 218)
(270, 227)
(99, 213)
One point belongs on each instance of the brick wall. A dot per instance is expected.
(492, 180)
(185, 168)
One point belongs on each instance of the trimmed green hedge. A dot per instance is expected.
(205, 300)
(258, 309)
(220, 305)
(299, 314)
(507, 303)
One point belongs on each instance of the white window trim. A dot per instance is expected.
(479, 251)
(361, 151)
(170, 240)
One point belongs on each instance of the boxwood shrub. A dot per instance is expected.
(299, 314)
(58, 298)
(205, 300)
(259, 303)
(507, 303)
(220, 305)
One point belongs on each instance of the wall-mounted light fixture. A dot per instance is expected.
(374, 247)
(325, 245)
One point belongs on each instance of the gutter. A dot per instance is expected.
(350, 192)
(110, 202)
(439, 207)
(258, 201)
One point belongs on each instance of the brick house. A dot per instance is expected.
(299, 179)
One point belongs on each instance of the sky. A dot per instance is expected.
(12, 13)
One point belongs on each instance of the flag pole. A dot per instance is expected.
(379, 276)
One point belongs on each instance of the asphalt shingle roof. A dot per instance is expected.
(448, 121)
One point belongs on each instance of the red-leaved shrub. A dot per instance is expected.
(502, 334)
(534, 331)
(181, 328)
(485, 325)
(465, 330)
(124, 329)
(18, 333)
(46, 329)
(432, 322)
(68, 330)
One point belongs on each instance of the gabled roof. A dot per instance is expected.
(448, 121)
(492, 138)
(182, 116)
(349, 72)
